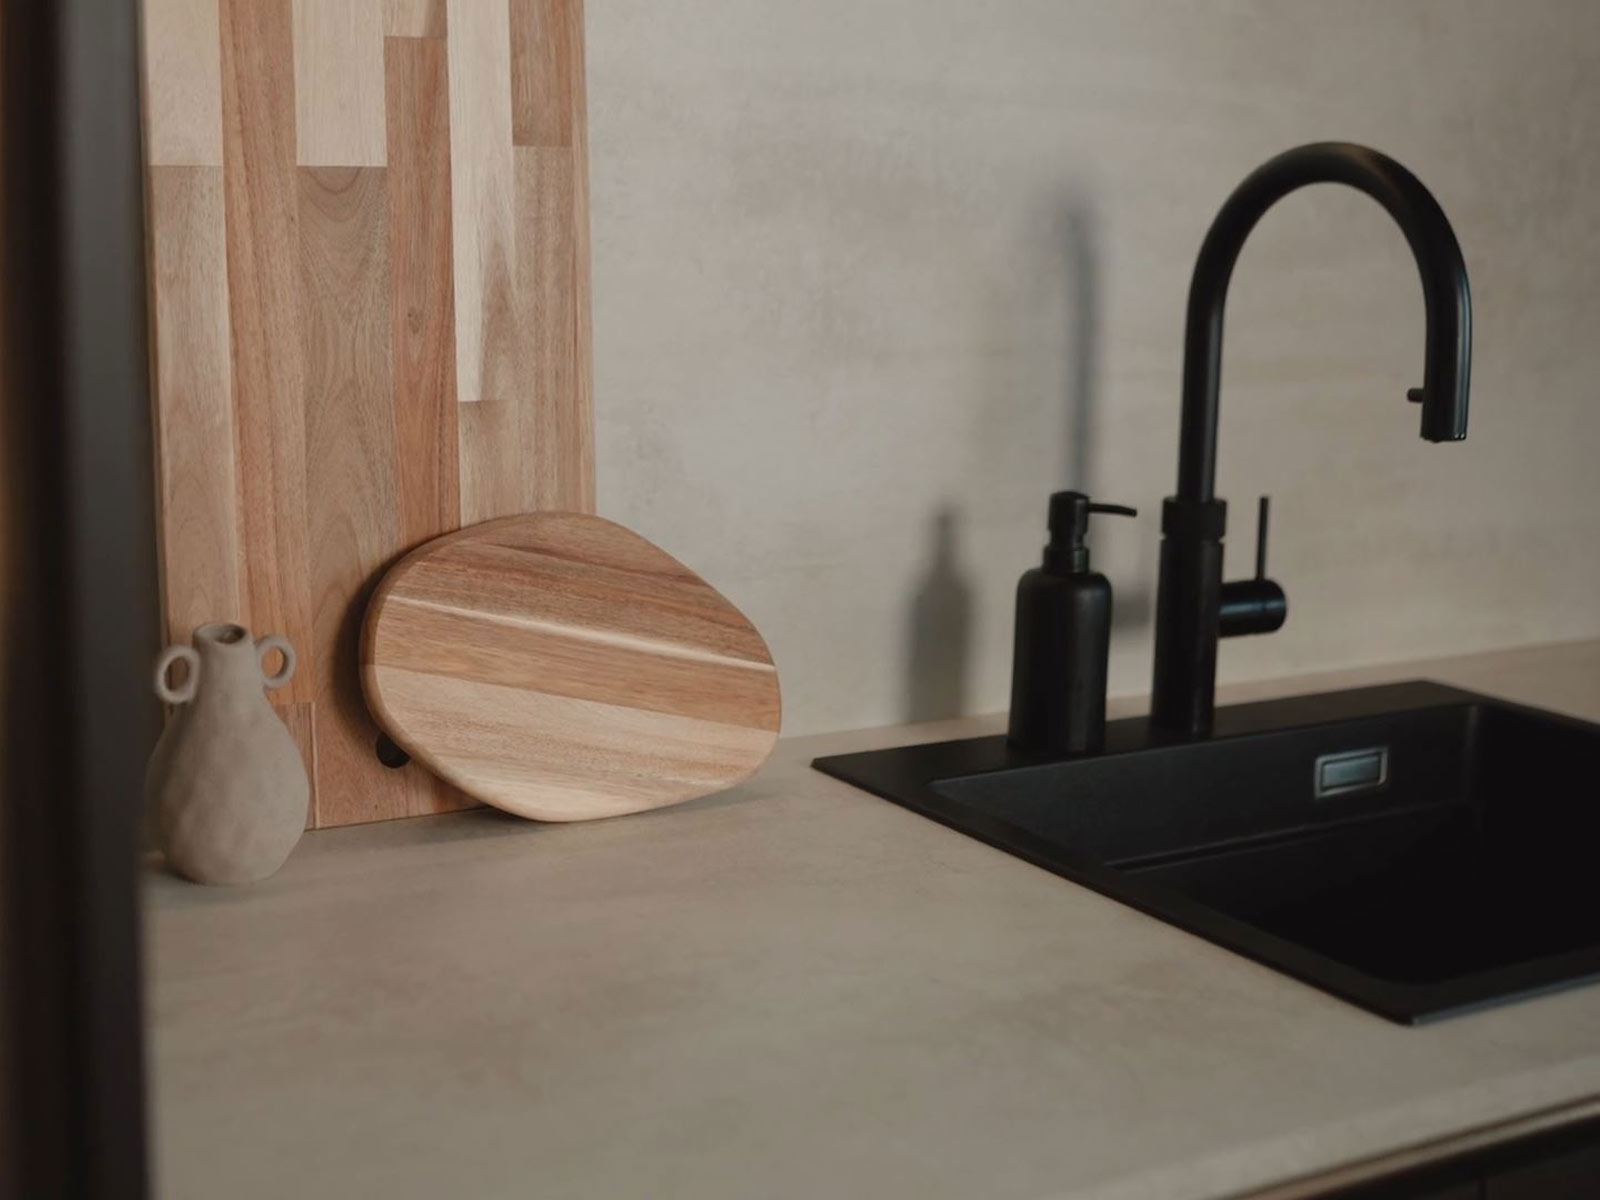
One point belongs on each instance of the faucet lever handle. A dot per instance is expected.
(1253, 605)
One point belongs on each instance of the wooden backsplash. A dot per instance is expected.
(368, 244)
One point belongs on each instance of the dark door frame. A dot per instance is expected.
(79, 600)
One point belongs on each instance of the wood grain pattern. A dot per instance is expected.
(414, 18)
(338, 83)
(561, 667)
(354, 517)
(563, 426)
(183, 83)
(263, 290)
(306, 321)
(195, 473)
(423, 319)
(483, 201)
(542, 67)
(583, 311)
(496, 463)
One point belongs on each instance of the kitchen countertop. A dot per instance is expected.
(792, 989)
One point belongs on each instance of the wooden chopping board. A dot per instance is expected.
(561, 667)
(369, 298)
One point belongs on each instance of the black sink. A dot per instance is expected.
(1416, 849)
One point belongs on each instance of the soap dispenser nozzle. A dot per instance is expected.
(1069, 525)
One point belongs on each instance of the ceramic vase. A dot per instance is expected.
(226, 781)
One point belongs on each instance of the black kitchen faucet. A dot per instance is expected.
(1194, 607)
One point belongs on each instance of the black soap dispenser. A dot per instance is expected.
(1063, 639)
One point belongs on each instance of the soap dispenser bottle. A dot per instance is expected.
(1063, 639)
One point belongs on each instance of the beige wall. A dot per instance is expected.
(858, 263)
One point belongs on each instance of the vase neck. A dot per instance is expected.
(228, 658)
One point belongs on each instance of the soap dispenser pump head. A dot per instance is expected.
(1069, 525)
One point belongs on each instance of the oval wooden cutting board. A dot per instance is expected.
(561, 667)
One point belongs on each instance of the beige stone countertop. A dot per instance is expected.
(793, 989)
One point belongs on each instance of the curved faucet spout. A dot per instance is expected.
(1444, 290)
(1191, 598)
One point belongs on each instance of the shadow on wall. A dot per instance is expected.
(1082, 342)
(1132, 602)
(939, 623)
(940, 628)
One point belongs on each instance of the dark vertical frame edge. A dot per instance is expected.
(79, 609)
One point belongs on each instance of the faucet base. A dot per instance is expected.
(1188, 614)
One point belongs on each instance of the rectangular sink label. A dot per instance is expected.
(1352, 771)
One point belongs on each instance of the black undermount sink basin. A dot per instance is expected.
(1416, 849)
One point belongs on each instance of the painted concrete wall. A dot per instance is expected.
(873, 277)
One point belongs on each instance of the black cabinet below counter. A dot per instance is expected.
(1557, 1164)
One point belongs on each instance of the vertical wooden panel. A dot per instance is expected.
(195, 469)
(583, 316)
(182, 83)
(542, 37)
(423, 308)
(414, 18)
(559, 427)
(483, 209)
(338, 83)
(405, 346)
(263, 290)
(496, 463)
(552, 224)
(350, 467)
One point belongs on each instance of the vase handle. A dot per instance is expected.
(281, 645)
(184, 692)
